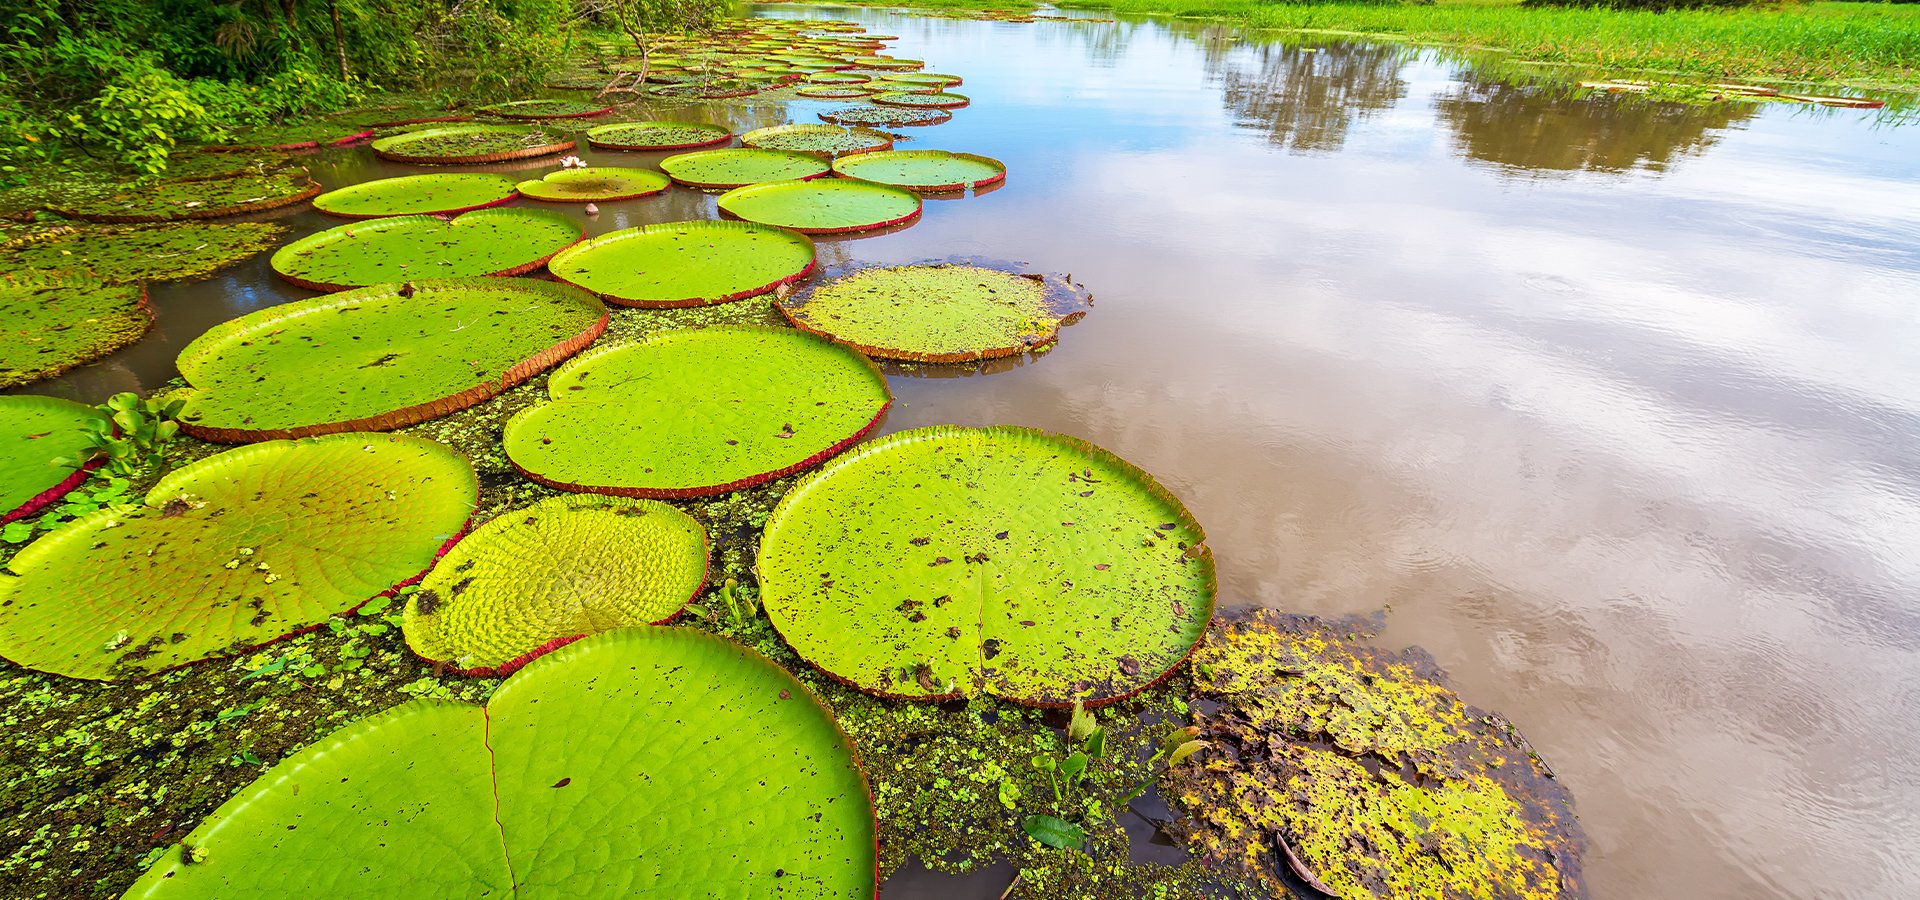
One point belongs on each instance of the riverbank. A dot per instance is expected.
(1862, 45)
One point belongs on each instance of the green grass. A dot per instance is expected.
(1860, 44)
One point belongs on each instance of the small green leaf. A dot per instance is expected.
(1073, 765)
(1096, 744)
(1054, 832)
(1185, 750)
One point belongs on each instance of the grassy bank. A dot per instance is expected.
(1859, 44)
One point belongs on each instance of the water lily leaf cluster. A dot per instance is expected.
(400, 248)
(51, 324)
(944, 562)
(231, 552)
(1359, 771)
(679, 264)
(936, 313)
(643, 762)
(536, 578)
(34, 433)
(130, 255)
(378, 358)
(693, 412)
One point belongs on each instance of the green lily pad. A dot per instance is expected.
(50, 325)
(838, 78)
(946, 562)
(698, 411)
(35, 431)
(923, 170)
(817, 140)
(378, 358)
(887, 116)
(933, 79)
(647, 762)
(132, 255)
(887, 63)
(718, 89)
(728, 169)
(472, 144)
(657, 136)
(935, 313)
(885, 84)
(435, 194)
(176, 200)
(547, 109)
(233, 551)
(931, 101)
(826, 206)
(835, 91)
(293, 136)
(401, 248)
(537, 578)
(680, 264)
(595, 183)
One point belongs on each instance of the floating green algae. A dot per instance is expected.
(594, 183)
(934, 313)
(1369, 773)
(50, 325)
(130, 254)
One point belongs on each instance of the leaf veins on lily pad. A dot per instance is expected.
(35, 431)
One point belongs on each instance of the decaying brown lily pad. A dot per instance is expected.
(1358, 772)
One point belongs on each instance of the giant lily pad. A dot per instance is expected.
(835, 92)
(728, 169)
(647, 762)
(935, 313)
(472, 144)
(547, 109)
(534, 579)
(826, 206)
(919, 99)
(50, 325)
(818, 140)
(888, 116)
(128, 255)
(438, 193)
(686, 263)
(398, 248)
(377, 358)
(718, 89)
(595, 183)
(694, 412)
(35, 431)
(923, 170)
(232, 551)
(200, 199)
(928, 79)
(657, 136)
(946, 562)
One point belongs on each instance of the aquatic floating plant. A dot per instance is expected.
(128, 255)
(931, 79)
(886, 116)
(233, 551)
(401, 248)
(294, 136)
(534, 579)
(835, 91)
(49, 324)
(657, 136)
(642, 762)
(595, 183)
(35, 431)
(739, 167)
(936, 313)
(458, 144)
(547, 109)
(923, 170)
(433, 194)
(679, 264)
(378, 358)
(817, 140)
(921, 100)
(199, 199)
(946, 562)
(693, 412)
(826, 206)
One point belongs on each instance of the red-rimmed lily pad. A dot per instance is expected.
(931, 79)
(679, 264)
(595, 183)
(719, 89)
(200, 199)
(824, 206)
(833, 77)
(818, 140)
(944, 312)
(835, 91)
(921, 100)
(698, 411)
(547, 109)
(537, 578)
(885, 116)
(377, 358)
(739, 167)
(644, 762)
(35, 431)
(433, 194)
(460, 144)
(51, 324)
(923, 170)
(233, 551)
(946, 562)
(402, 248)
(657, 136)
(130, 254)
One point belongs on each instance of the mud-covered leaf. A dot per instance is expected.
(461, 144)
(817, 140)
(656, 135)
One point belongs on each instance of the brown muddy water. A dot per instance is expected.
(1613, 406)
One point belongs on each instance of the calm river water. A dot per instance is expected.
(1614, 407)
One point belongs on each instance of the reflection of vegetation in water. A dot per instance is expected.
(1308, 98)
(1535, 127)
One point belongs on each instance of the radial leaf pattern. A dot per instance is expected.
(947, 562)
(231, 552)
(595, 183)
(826, 206)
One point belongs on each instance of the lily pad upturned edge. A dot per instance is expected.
(63, 486)
(310, 191)
(1071, 303)
(434, 159)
